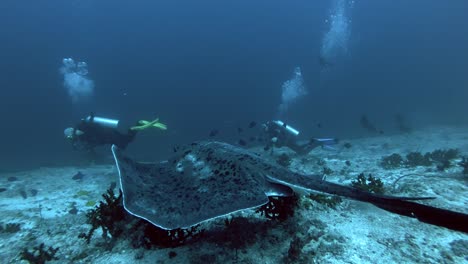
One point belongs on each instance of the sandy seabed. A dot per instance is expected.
(50, 207)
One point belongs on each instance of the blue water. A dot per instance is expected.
(201, 65)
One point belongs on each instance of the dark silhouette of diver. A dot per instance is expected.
(324, 63)
(279, 134)
(94, 131)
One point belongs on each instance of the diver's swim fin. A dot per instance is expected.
(327, 143)
(146, 124)
(154, 123)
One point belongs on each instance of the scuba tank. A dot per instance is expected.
(102, 121)
(287, 128)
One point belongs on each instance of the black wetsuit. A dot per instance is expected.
(98, 135)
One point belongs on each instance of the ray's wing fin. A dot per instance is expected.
(181, 193)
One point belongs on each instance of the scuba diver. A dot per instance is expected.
(95, 131)
(279, 134)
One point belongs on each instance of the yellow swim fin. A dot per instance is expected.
(146, 124)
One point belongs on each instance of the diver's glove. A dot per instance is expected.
(143, 124)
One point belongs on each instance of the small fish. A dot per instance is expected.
(213, 133)
(12, 178)
(252, 124)
(365, 123)
(242, 142)
(240, 130)
(23, 194)
(73, 211)
(175, 149)
(33, 192)
(79, 176)
(319, 125)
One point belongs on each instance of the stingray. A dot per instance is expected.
(209, 179)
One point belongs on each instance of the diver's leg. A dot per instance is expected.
(122, 140)
(298, 148)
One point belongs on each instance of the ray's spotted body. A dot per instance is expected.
(210, 179)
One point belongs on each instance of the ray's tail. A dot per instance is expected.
(400, 205)
(425, 213)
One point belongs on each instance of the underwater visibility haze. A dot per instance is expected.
(357, 80)
(202, 65)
